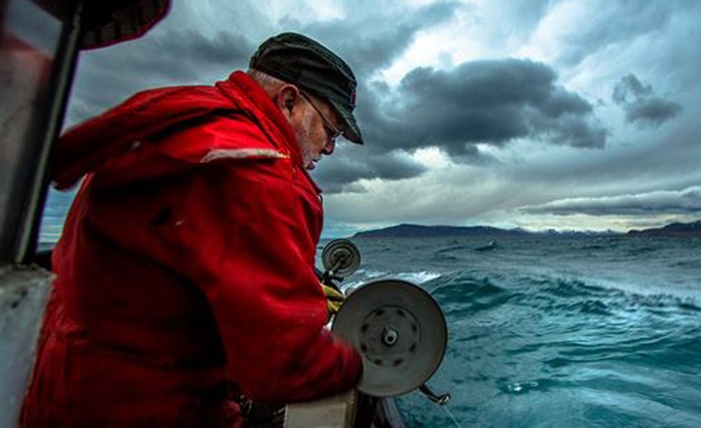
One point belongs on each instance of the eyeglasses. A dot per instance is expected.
(331, 131)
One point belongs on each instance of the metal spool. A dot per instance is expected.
(400, 332)
(340, 257)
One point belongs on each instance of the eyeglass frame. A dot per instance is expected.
(328, 125)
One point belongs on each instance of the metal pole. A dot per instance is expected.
(39, 158)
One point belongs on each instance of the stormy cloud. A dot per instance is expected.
(687, 201)
(171, 58)
(479, 106)
(391, 34)
(586, 30)
(482, 102)
(640, 103)
(491, 103)
(184, 54)
(339, 173)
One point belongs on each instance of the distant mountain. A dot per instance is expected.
(673, 229)
(417, 231)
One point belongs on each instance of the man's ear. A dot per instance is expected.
(287, 98)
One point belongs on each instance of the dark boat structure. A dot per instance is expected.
(388, 321)
(39, 45)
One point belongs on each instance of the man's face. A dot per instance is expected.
(316, 130)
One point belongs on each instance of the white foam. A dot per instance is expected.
(369, 276)
(418, 277)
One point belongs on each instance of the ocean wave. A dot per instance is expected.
(417, 277)
(462, 294)
(454, 248)
(445, 258)
(600, 332)
(616, 292)
(569, 287)
(642, 251)
(580, 301)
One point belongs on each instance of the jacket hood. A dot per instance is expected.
(88, 146)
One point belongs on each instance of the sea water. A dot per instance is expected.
(555, 331)
(547, 331)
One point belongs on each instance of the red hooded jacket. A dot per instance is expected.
(185, 268)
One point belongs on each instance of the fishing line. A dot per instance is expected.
(455, 421)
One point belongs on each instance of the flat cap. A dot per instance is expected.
(299, 60)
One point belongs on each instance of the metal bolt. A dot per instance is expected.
(389, 336)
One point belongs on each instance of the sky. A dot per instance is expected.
(538, 114)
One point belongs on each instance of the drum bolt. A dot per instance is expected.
(389, 336)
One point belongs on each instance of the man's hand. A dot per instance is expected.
(334, 298)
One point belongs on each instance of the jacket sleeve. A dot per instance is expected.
(249, 231)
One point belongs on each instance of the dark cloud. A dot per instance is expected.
(482, 102)
(339, 172)
(178, 56)
(470, 108)
(173, 57)
(391, 34)
(175, 54)
(687, 201)
(654, 111)
(488, 102)
(640, 103)
(182, 55)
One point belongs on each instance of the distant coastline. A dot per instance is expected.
(673, 229)
(419, 231)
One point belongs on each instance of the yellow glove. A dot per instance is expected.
(334, 298)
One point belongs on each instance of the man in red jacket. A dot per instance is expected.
(185, 272)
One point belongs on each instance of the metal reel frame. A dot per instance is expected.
(399, 330)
